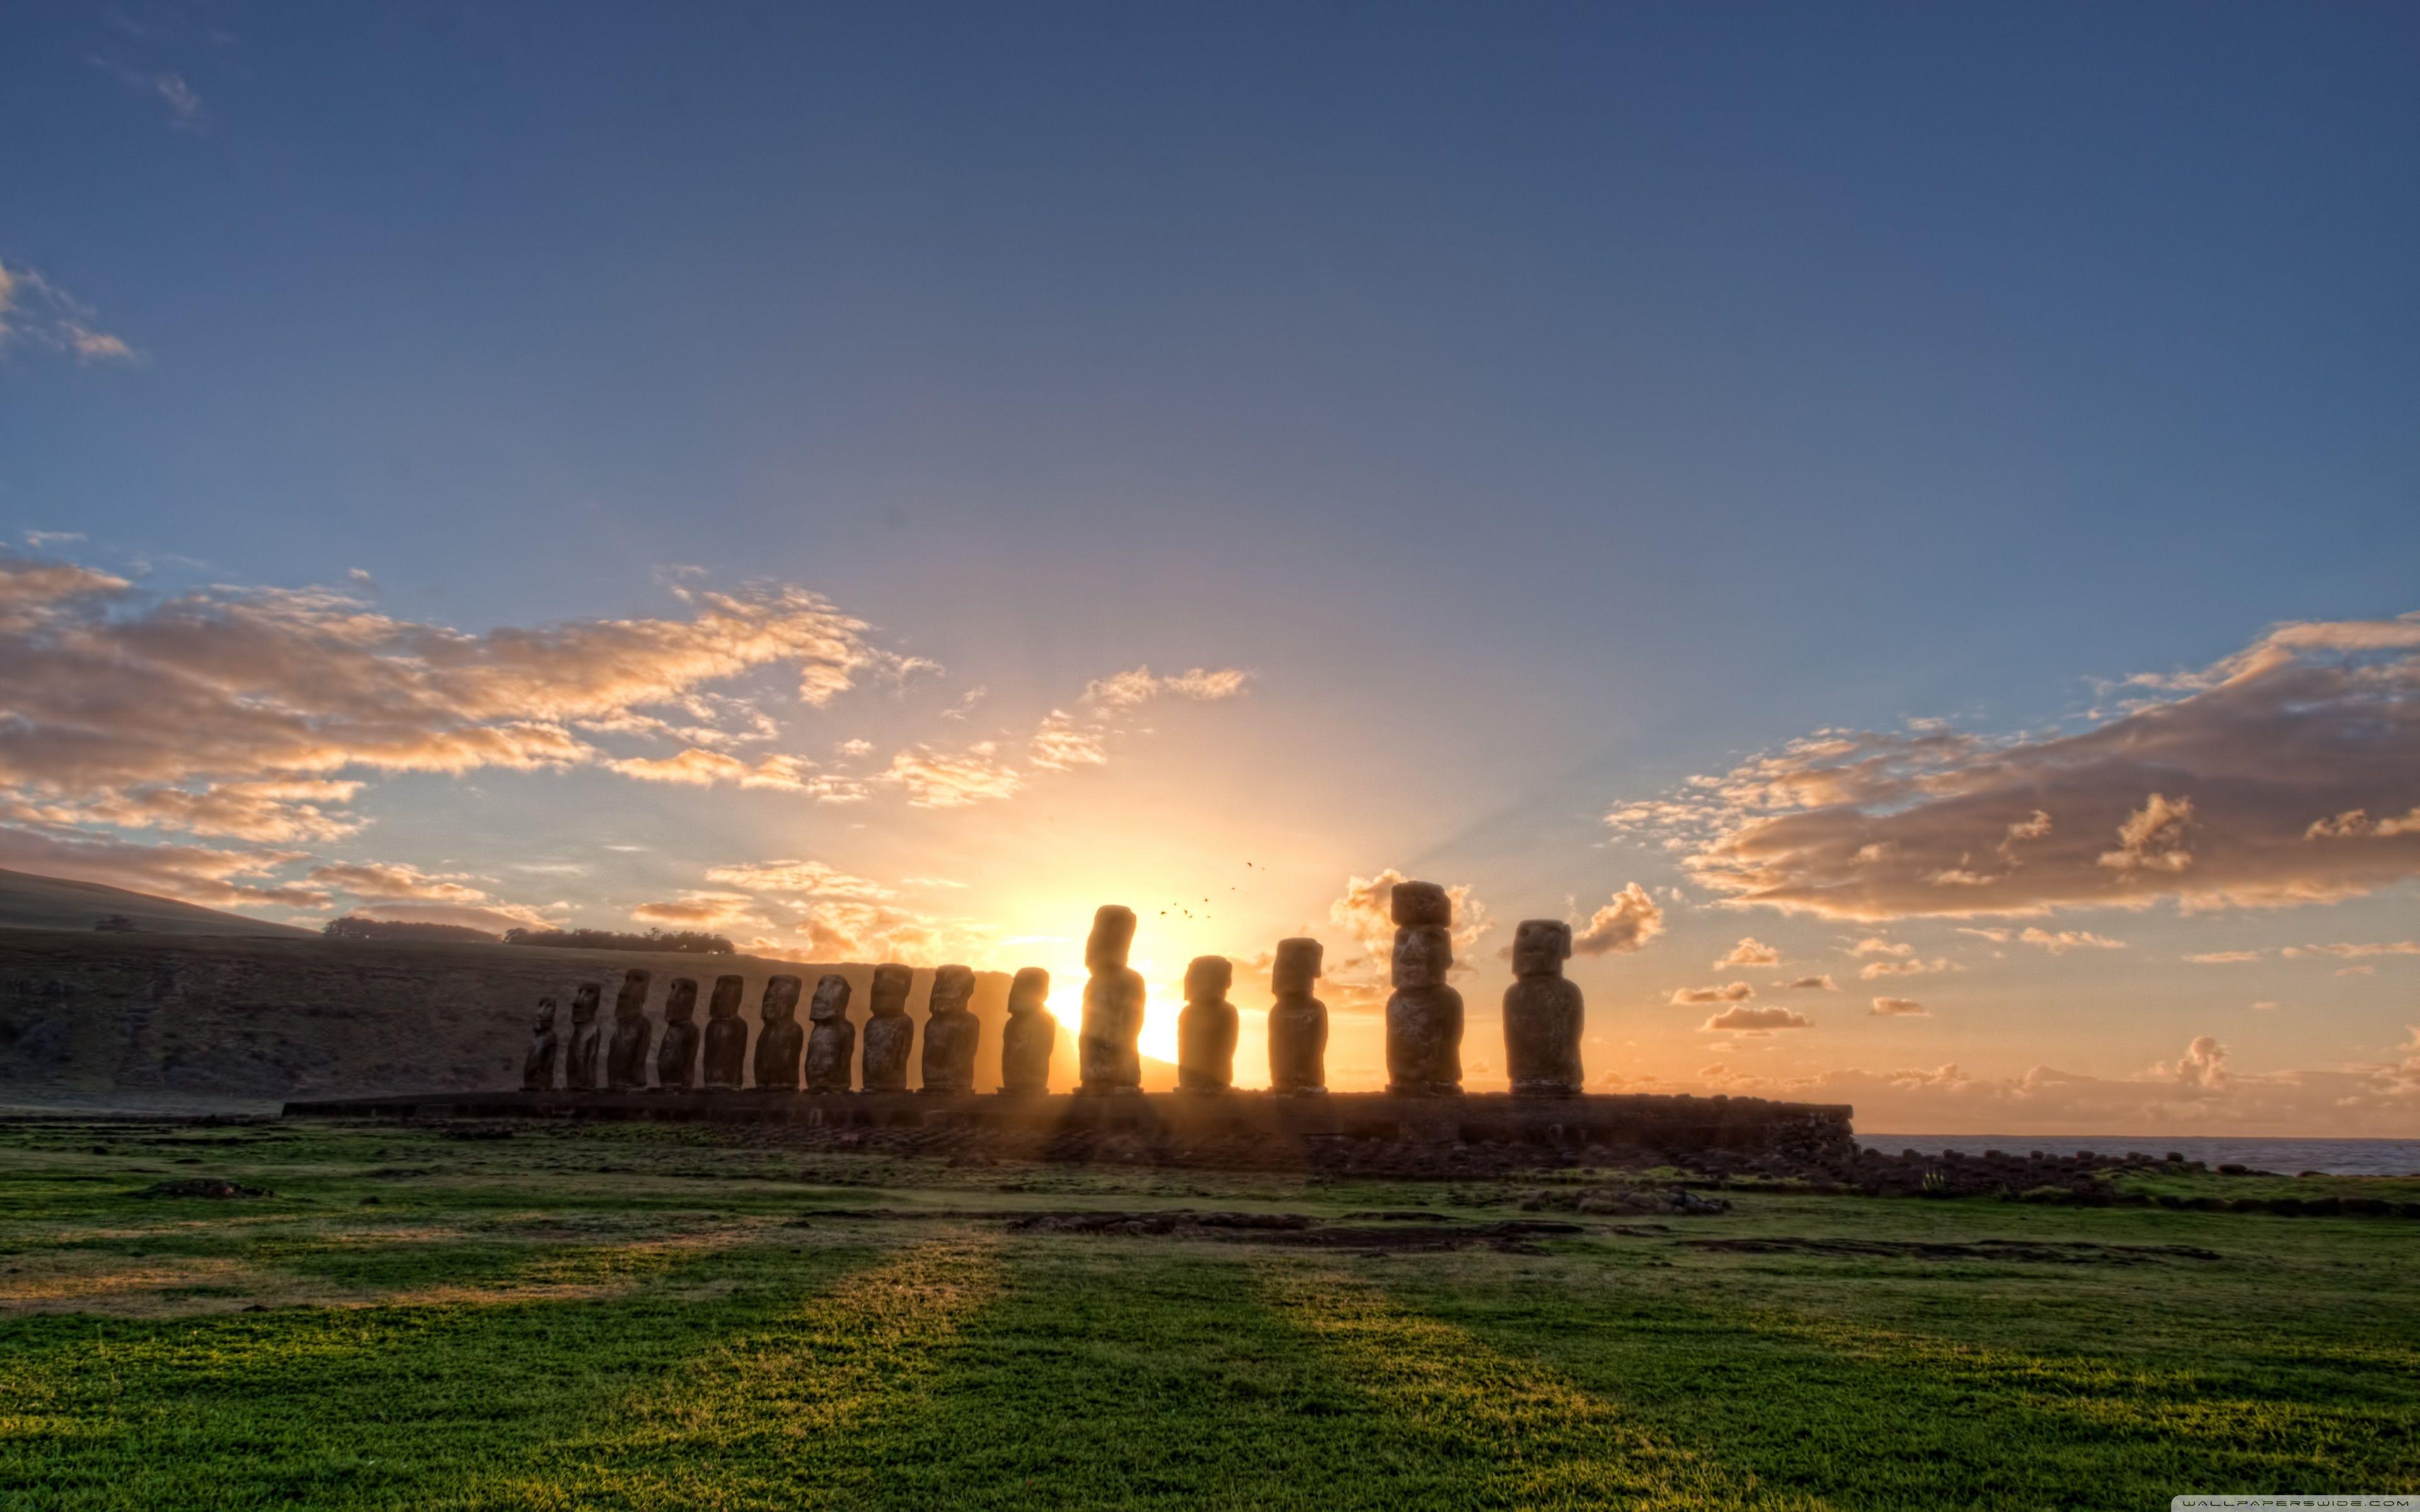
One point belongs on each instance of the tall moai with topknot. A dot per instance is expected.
(1205, 1027)
(537, 1067)
(580, 1056)
(831, 1038)
(1425, 1015)
(890, 1033)
(725, 1058)
(625, 1054)
(779, 1041)
(676, 1057)
(1543, 1014)
(1029, 1036)
(951, 1032)
(1109, 1042)
(1297, 1021)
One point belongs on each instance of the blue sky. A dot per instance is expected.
(1541, 407)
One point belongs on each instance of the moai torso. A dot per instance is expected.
(537, 1067)
(950, 1032)
(1297, 1021)
(889, 1034)
(1205, 1027)
(1543, 1014)
(1425, 1015)
(587, 1039)
(676, 1058)
(1108, 1048)
(781, 1039)
(1029, 1036)
(626, 1055)
(831, 1038)
(724, 1060)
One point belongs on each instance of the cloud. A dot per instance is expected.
(699, 767)
(1898, 1008)
(2352, 953)
(2224, 958)
(1737, 992)
(1820, 984)
(1878, 946)
(800, 878)
(192, 873)
(1624, 925)
(699, 910)
(2248, 783)
(944, 780)
(384, 882)
(36, 313)
(1750, 952)
(1756, 1020)
(840, 930)
(1875, 969)
(2061, 942)
(1061, 745)
(1138, 686)
(169, 88)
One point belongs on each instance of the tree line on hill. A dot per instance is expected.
(687, 941)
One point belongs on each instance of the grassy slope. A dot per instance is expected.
(636, 1317)
(30, 901)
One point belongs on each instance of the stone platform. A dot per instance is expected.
(1252, 1128)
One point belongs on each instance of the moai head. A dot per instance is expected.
(1029, 990)
(724, 1004)
(1112, 936)
(680, 1002)
(832, 998)
(891, 983)
(631, 1002)
(1420, 905)
(781, 1000)
(1296, 970)
(1540, 948)
(545, 1015)
(1422, 956)
(1208, 978)
(585, 999)
(953, 987)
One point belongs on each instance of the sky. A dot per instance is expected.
(1900, 523)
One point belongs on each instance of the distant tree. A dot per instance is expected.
(115, 924)
(351, 928)
(687, 941)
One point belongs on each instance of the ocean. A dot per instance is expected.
(2287, 1157)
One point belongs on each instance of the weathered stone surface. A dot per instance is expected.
(1420, 905)
(1205, 1027)
(537, 1067)
(587, 1039)
(951, 1032)
(676, 1057)
(781, 1040)
(625, 1054)
(889, 1034)
(1108, 1049)
(1425, 1015)
(831, 1042)
(726, 1037)
(1297, 1021)
(1029, 1036)
(1543, 1014)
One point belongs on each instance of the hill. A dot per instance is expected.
(31, 901)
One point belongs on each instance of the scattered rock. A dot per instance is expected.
(203, 1186)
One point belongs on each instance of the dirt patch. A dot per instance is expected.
(2034, 1250)
(203, 1186)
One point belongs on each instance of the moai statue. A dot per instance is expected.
(779, 1042)
(1425, 1015)
(676, 1059)
(1205, 1027)
(580, 1061)
(1297, 1021)
(831, 1044)
(1031, 1033)
(1543, 1014)
(537, 1067)
(890, 1033)
(951, 1032)
(727, 1036)
(1109, 1043)
(625, 1054)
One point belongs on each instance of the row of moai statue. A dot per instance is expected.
(1542, 1017)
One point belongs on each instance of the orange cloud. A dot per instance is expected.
(1625, 924)
(1898, 1008)
(1756, 1020)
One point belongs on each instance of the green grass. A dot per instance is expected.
(623, 1317)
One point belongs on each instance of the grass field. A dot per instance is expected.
(635, 1317)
